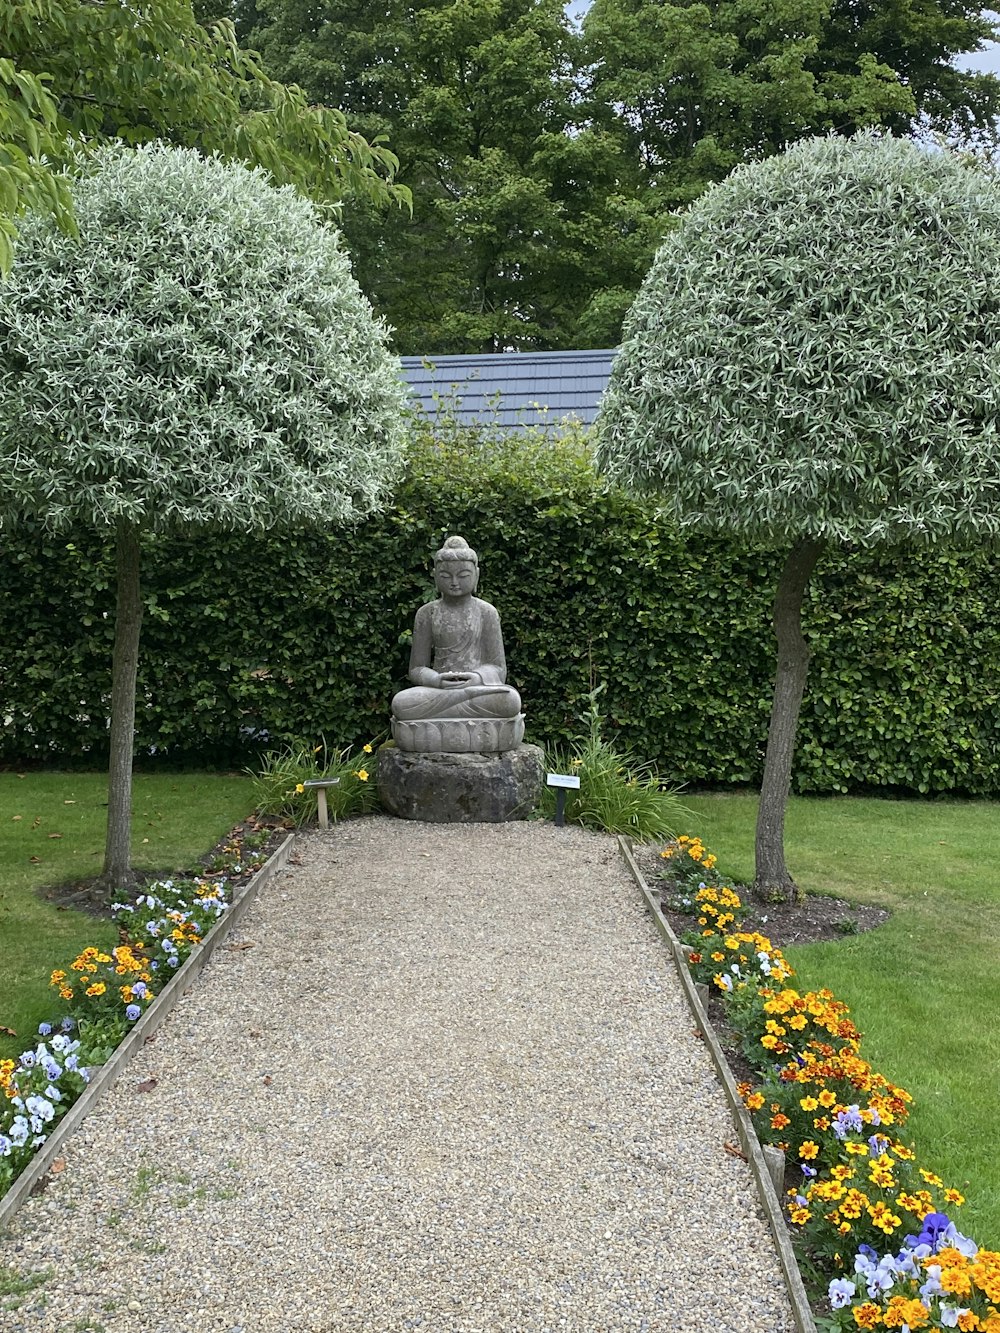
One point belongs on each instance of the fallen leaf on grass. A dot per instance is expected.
(147, 1085)
(55, 835)
(15, 818)
(734, 1151)
(69, 802)
(57, 1166)
(35, 860)
(7, 1032)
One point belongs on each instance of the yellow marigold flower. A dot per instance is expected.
(731, 943)
(66, 994)
(858, 1149)
(718, 957)
(56, 977)
(755, 1101)
(884, 1218)
(931, 1178)
(854, 1204)
(809, 1150)
(827, 1099)
(954, 1197)
(98, 988)
(867, 1315)
(808, 1103)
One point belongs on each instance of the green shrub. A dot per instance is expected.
(252, 643)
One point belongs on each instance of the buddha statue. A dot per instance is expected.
(459, 700)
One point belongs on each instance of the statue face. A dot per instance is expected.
(456, 578)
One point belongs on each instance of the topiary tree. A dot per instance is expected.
(199, 356)
(812, 359)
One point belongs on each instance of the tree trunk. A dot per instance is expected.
(117, 873)
(773, 883)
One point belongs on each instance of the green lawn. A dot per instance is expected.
(924, 989)
(52, 829)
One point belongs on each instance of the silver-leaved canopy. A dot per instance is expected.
(200, 354)
(816, 350)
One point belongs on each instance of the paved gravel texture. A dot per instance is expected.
(452, 1086)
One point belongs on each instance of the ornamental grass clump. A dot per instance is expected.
(280, 791)
(617, 793)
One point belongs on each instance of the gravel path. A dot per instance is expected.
(452, 1086)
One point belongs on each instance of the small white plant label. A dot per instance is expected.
(562, 780)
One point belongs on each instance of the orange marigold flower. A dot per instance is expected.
(905, 1310)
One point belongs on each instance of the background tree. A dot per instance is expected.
(479, 99)
(690, 90)
(73, 73)
(547, 165)
(812, 360)
(200, 357)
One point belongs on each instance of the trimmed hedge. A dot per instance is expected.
(248, 641)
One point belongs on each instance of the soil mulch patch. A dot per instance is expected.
(814, 919)
(266, 836)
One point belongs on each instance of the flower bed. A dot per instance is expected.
(102, 996)
(874, 1240)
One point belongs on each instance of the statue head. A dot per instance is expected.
(456, 569)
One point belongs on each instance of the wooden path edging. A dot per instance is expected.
(107, 1074)
(759, 1166)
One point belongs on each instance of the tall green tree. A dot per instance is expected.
(547, 165)
(479, 99)
(198, 357)
(73, 74)
(812, 360)
(690, 90)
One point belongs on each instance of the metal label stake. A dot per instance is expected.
(563, 782)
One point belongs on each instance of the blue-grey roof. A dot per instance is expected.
(512, 390)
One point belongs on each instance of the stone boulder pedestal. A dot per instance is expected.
(460, 788)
